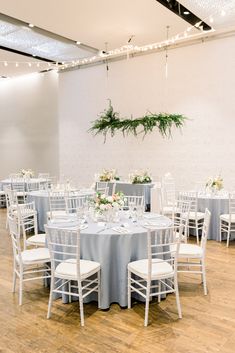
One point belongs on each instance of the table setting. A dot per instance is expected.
(113, 242)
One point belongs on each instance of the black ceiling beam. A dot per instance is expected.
(26, 54)
(184, 13)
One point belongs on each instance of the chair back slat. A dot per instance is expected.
(133, 201)
(56, 202)
(205, 228)
(14, 230)
(64, 245)
(163, 246)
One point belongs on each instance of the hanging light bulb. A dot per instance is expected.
(29, 64)
(17, 64)
(223, 13)
(5, 63)
(211, 20)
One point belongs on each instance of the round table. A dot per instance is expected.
(114, 251)
(41, 200)
(217, 205)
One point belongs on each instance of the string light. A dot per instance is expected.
(126, 49)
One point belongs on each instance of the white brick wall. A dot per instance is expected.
(200, 85)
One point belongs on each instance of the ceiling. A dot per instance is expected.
(94, 22)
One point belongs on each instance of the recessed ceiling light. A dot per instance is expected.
(186, 12)
(78, 43)
(31, 25)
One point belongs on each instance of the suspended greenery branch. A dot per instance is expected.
(109, 121)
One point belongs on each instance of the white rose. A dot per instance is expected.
(103, 196)
(103, 207)
(110, 199)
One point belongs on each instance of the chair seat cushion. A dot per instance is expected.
(55, 214)
(160, 269)
(194, 215)
(38, 239)
(68, 269)
(225, 217)
(190, 250)
(39, 255)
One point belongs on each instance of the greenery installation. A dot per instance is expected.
(109, 121)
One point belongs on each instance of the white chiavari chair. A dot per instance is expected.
(104, 191)
(227, 221)
(19, 187)
(67, 268)
(56, 205)
(15, 176)
(196, 253)
(132, 201)
(74, 201)
(27, 215)
(168, 196)
(195, 217)
(181, 217)
(161, 266)
(102, 187)
(11, 202)
(33, 186)
(28, 265)
(43, 175)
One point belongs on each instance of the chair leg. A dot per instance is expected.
(177, 297)
(81, 305)
(160, 288)
(21, 288)
(70, 297)
(197, 232)
(204, 276)
(220, 233)
(228, 236)
(14, 281)
(129, 289)
(147, 304)
(99, 290)
(50, 297)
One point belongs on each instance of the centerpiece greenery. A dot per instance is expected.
(109, 121)
(140, 177)
(108, 175)
(27, 173)
(215, 183)
(106, 203)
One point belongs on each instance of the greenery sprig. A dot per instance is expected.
(109, 121)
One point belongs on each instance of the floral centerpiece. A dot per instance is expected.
(215, 184)
(107, 203)
(140, 177)
(27, 173)
(108, 175)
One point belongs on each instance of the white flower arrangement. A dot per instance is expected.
(105, 203)
(140, 177)
(108, 175)
(215, 183)
(27, 173)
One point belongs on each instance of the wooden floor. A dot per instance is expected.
(208, 323)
